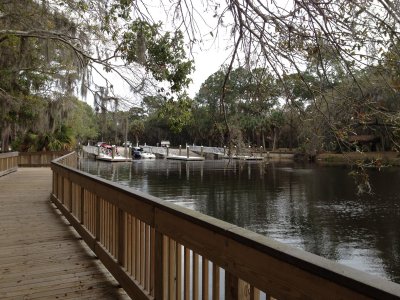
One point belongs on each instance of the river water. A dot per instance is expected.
(310, 207)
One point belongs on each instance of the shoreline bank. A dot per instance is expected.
(382, 158)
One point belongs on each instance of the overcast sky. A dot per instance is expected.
(207, 62)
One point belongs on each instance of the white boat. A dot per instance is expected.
(147, 155)
(116, 158)
(139, 153)
(106, 154)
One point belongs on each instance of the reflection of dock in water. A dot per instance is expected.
(244, 157)
(185, 158)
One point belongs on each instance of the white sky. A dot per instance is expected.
(207, 62)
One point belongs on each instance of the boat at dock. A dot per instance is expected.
(139, 153)
(110, 153)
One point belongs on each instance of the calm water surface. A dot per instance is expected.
(307, 206)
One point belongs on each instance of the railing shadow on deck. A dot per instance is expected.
(157, 250)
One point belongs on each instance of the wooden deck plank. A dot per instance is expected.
(41, 256)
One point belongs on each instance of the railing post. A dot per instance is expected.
(158, 266)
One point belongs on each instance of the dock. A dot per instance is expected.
(41, 255)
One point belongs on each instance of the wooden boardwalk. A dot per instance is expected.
(41, 256)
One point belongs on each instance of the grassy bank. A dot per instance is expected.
(384, 158)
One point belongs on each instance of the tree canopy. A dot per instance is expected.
(331, 65)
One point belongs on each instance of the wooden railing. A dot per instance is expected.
(8, 162)
(38, 159)
(157, 250)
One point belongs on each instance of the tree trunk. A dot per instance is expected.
(291, 132)
(263, 139)
(275, 139)
(5, 137)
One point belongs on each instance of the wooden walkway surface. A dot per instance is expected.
(41, 257)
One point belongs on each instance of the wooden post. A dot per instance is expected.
(187, 151)
(201, 151)
(180, 150)
(167, 151)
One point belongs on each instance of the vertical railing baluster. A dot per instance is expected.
(216, 283)
(121, 237)
(187, 274)
(172, 269)
(137, 247)
(82, 205)
(62, 190)
(133, 247)
(165, 266)
(147, 259)
(254, 293)
(70, 195)
(142, 253)
(97, 218)
(195, 276)
(179, 278)
(231, 286)
(205, 279)
(158, 265)
(244, 290)
(129, 243)
(152, 260)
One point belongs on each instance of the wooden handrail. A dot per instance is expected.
(157, 250)
(8, 163)
(39, 159)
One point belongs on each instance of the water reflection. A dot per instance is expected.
(310, 207)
